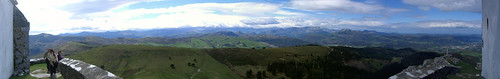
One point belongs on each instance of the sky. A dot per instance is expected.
(398, 16)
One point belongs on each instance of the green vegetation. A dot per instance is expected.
(311, 61)
(218, 42)
(425, 42)
(470, 53)
(467, 62)
(149, 62)
(70, 48)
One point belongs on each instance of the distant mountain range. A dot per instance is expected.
(222, 39)
(197, 31)
(239, 37)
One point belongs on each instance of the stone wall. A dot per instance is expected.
(76, 69)
(21, 43)
(442, 73)
(37, 61)
(438, 68)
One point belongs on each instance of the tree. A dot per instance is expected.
(172, 66)
(249, 74)
(189, 64)
(169, 58)
(195, 61)
(192, 64)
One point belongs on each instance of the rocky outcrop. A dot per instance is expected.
(436, 68)
(76, 69)
(21, 43)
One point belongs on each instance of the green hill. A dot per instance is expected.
(73, 44)
(317, 62)
(149, 62)
(218, 42)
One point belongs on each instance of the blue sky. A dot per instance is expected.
(400, 16)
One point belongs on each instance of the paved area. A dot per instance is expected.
(39, 73)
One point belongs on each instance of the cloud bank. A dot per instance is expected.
(72, 16)
(343, 6)
(447, 5)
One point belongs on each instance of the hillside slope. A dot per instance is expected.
(319, 62)
(149, 62)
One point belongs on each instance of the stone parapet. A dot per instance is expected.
(76, 69)
(438, 68)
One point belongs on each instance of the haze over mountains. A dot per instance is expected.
(210, 37)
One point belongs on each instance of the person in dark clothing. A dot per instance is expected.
(59, 55)
(49, 67)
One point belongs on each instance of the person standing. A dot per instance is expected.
(52, 57)
(47, 61)
(59, 55)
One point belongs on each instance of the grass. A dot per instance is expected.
(218, 42)
(466, 72)
(149, 62)
(474, 54)
(377, 64)
(33, 68)
(241, 56)
(241, 59)
(151, 44)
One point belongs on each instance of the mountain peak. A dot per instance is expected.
(224, 33)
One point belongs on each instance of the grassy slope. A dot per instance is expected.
(70, 48)
(240, 60)
(149, 62)
(218, 42)
(468, 61)
(237, 56)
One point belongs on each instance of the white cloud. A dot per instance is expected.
(447, 5)
(343, 6)
(56, 18)
(47, 17)
(91, 6)
(260, 21)
(313, 22)
(281, 12)
(440, 24)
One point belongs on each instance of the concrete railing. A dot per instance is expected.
(76, 69)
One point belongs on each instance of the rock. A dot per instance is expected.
(77, 69)
(37, 61)
(436, 68)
